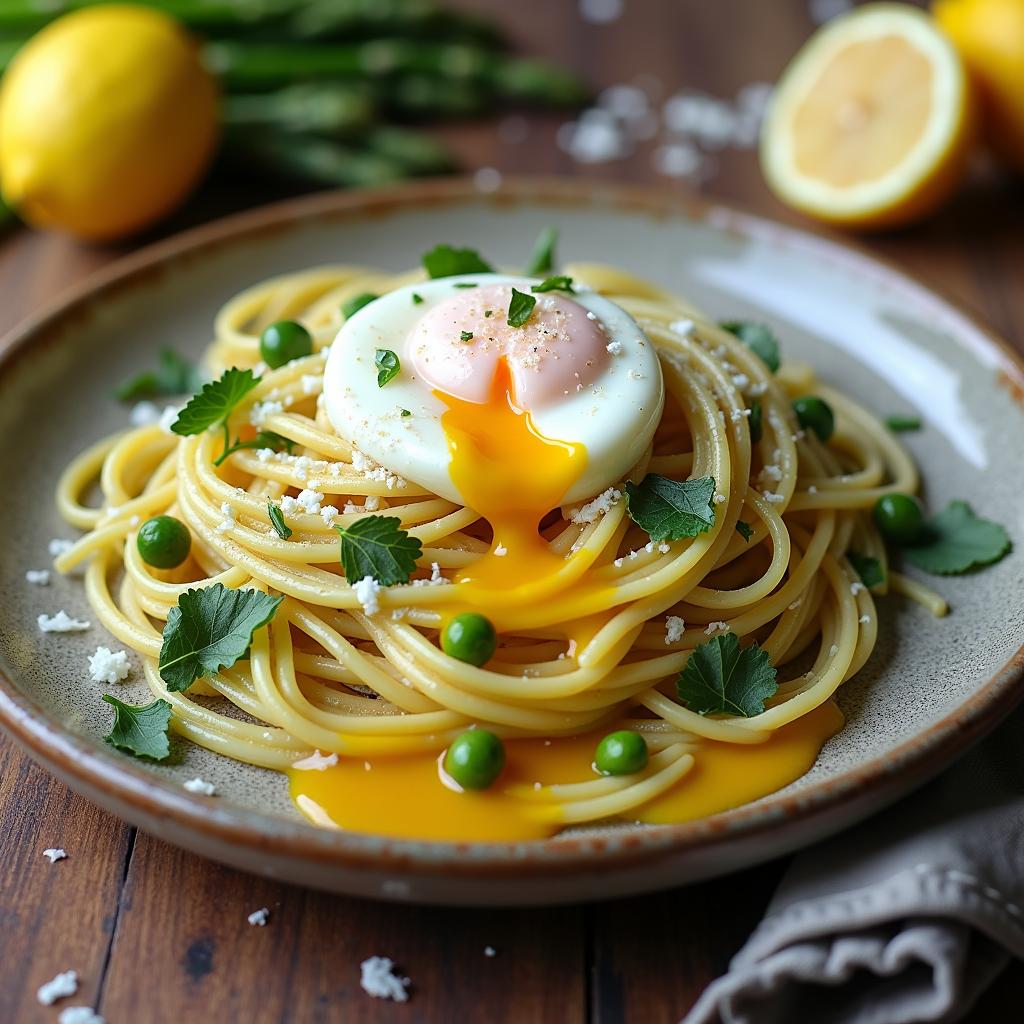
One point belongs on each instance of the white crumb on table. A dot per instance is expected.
(107, 666)
(490, 951)
(259, 917)
(59, 546)
(201, 786)
(54, 854)
(316, 762)
(61, 623)
(378, 979)
(79, 1015)
(60, 987)
(40, 577)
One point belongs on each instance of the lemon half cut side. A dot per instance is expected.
(871, 124)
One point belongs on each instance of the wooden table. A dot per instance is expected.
(159, 935)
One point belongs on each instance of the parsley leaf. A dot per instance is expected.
(377, 546)
(264, 439)
(388, 366)
(670, 510)
(140, 730)
(745, 530)
(466, 336)
(956, 540)
(210, 629)
(520, 308)
(720, 678)
(416, 298)
(543, 257)
(447, 261)
(174, 375)
(758, 338)
(755, 422)
(898, 424)
(559, 283)
(214, 403)
(406, 412)
(283, 530)
(867, 568)
(352, 306)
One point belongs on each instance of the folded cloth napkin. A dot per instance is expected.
(906, 918)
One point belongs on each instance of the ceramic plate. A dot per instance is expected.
(931, 687)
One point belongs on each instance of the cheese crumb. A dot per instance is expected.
(58, 546)
(856, 587)
(367, 593)
(490, 951)
(107, 666)
(61, 623)
(719, 498)
(328, 514)
(614, 347)
(833, 650)
(864, 620)
(55, 854)
(674, 627)
(168, 417)
(772, 498)
(596, 507)
(309, 501)
(500, 551)
(311, 383)
(261, 410)
(228, 522)
(60, 987)
(198, 785)
(40, 577)
(683, 327)
(259, 917)
(79, 1015)
(717, 627)
(316, 762)
(378, 979)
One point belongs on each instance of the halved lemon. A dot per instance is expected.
(871, 124)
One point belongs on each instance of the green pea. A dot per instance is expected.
(284, 341)
(621, 753)
(469, 637)
(899, 518)
(815, 414)
(164, 542)
(475, 759)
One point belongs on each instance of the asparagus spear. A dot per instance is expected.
(320, 108)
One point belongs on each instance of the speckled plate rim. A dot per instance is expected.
(816, 810)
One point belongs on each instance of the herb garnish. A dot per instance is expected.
(867, 568)
(264, 439)
(352, 306)
(898, 424)
(745, 530)
(559, 283)
(283, 530)
(140, 729)
(209, 629)
(543, 257)
(377, 546)
(722, 678)
(406, 412)
(670, 509)
(756, 421)
(174, 375)
(956, 540)
(466, 335)
(758, 338)
(388, 365)
(520, 308)
(214, 404)
(416, 298)
(447, 261)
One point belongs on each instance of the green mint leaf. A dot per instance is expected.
(447, 261)
(416, 298)
(899, 424)
(283, 530)
(721, 678)
(559, 283)
(352, 306)
(466, 335)
(388, 365)
(756, 421)
(956, 540)
(745, 530)
(377, 546)
(140, 730)
(670, 510)
(520, 308)
(210, 629)
(758, 338)
(264, 439)
(867, 568)
(215, 402)
(174, 375)
(542, 259)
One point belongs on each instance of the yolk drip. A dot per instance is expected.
(513, 475)
(404, 796)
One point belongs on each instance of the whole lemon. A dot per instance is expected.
(107, 121)
(990, 37)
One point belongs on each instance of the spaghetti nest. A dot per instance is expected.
(325, 674)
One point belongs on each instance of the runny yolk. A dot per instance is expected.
(404, 796)
(513, 475)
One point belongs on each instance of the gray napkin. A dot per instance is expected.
(905, 918)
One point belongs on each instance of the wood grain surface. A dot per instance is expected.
(158, 935)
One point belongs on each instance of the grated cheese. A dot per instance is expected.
(683, 327)
(717, 627)
(674, 627)
(168, 418)
(55, 854)
(61, 623)
(262, 410)
(198, 785)
(309, 501)
(328, 514)
(596, 507)
(367, 592)
(58, 546)
(40, 577)
(500, 551)
(259, 917)
(143, 414)
(311, 383)
(614, 347)
(107, 666)
(378, 979)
